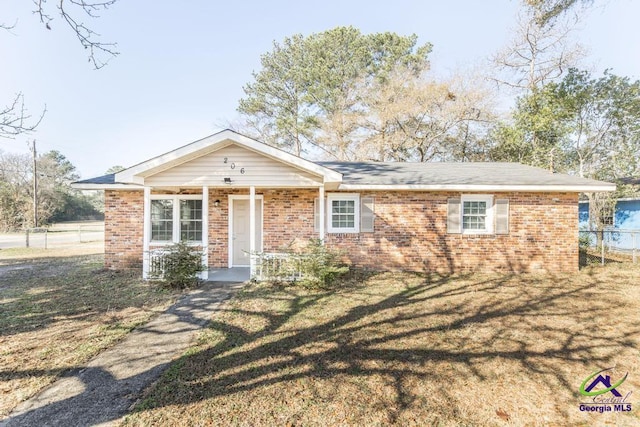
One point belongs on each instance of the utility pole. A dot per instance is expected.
(35, 184)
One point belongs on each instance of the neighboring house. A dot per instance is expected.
(232, 196)
(624, 219)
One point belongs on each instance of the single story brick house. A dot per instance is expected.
(232, 196)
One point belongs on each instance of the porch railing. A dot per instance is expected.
(271, 266)
(157, 263)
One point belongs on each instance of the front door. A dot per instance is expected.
(239, 244)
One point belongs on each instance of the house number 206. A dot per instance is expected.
(233, 165)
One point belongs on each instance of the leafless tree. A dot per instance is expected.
(538, 53)
(16, 120)
(71, 12)
(14, 117)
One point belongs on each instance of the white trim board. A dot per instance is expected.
(543, 188)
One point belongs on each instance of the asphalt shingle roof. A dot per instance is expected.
(447, 173)
(432, 173)
(104, 179)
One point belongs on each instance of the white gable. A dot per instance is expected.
(254, 163)
(245, 168)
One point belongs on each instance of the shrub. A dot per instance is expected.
(180, 265)
(312, 266)
(319, 265)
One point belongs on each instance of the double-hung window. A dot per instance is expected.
(176, 219)
(343, 213)
(477, 214)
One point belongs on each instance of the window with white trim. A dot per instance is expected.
(343, 214)
(477, 214)
(176, 219)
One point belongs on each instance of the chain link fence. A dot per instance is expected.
(609, 246)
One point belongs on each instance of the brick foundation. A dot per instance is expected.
(410, 231)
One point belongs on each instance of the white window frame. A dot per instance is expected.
(175, 198)
(489, 219)
(355, 197)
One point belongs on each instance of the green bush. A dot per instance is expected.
(319, 265)
(180, 265)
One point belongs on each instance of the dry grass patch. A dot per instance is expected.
(401, 349)
(57, 313)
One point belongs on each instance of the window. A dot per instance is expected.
(606, 217)
(344, 213)
(191, 220)
(477, 214)
(162, 220)
(187, 212)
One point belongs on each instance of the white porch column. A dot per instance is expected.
(252, 230)
(146, 232)
(204, 275)
(321, 214)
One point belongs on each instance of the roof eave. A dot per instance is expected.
(115, 186)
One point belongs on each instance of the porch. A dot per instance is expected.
(234, 227)
(233, 274)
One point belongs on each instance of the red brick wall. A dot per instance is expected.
(410, 231)
(123, 229)
(287, 217)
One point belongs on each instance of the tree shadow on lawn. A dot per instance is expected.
(442, 332)
(463, 323)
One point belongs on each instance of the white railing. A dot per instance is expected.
(277, 267)
(157, 261)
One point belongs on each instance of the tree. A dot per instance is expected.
(583, 125)
(14, 117)
(409, 117)
(56, 200)
(16, 120)
(538, 53)
(547, 11)
(71, 12)
(306, 81)
(278, 106)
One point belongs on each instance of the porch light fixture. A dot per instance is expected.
(216, 203)
(227, 180)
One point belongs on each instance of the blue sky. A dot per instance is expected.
(182, 65)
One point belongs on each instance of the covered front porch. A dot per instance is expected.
(233, 227)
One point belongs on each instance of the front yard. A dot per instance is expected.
(409, 350)
(58, 309)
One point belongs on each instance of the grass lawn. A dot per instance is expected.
(401, 349)
(58, 309)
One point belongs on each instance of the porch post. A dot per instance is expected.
(321, 214)
(146, 232)
(204, 275)
(252, 230)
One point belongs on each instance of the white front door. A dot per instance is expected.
(239, 239)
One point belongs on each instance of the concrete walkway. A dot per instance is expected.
(105, 389)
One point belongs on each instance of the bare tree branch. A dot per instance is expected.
(538, 54)
(7, 27)
(99, 52)
(16, 120)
